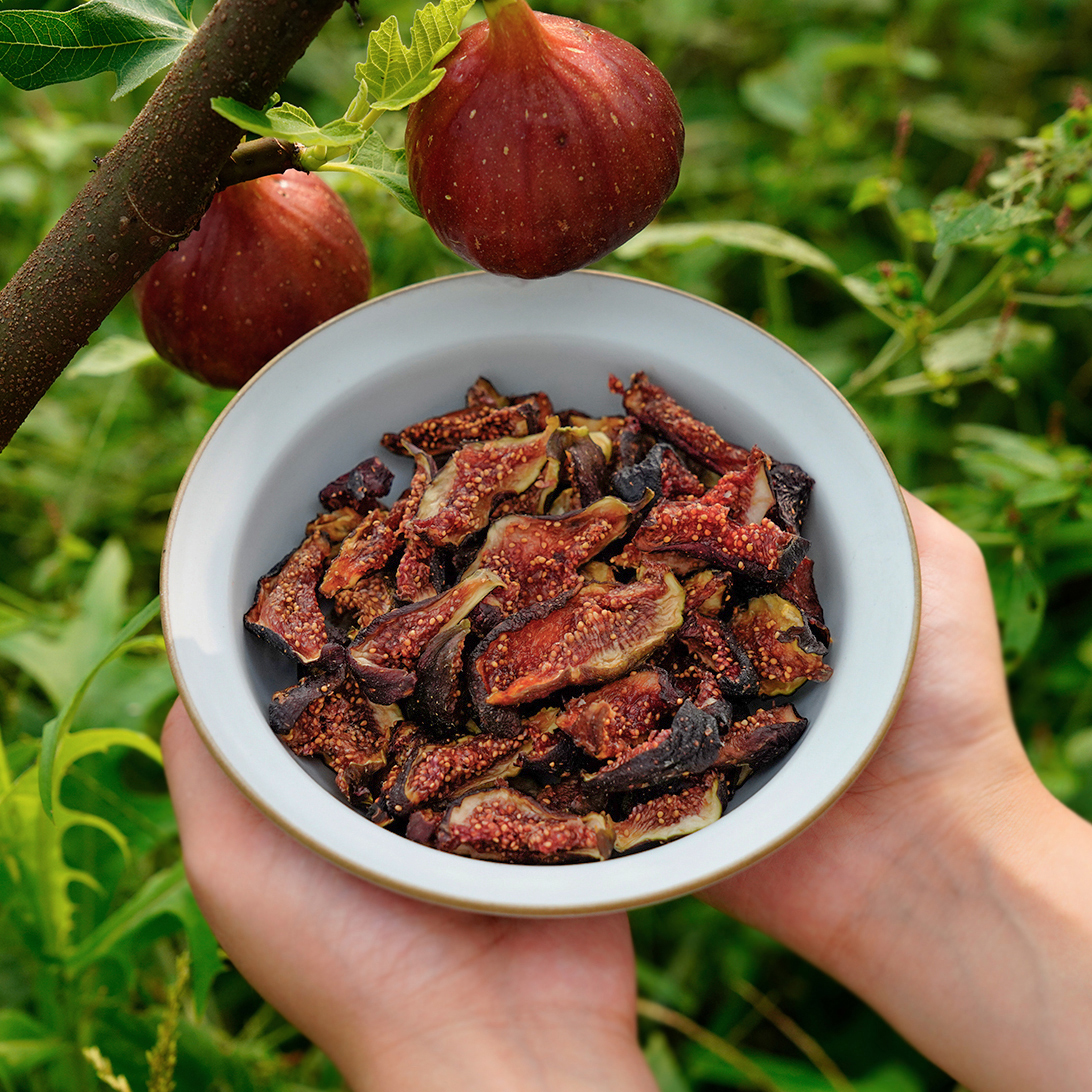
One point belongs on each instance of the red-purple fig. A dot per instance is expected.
(272, 259)
(547, 144)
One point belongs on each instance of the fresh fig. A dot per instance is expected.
(271, 259)
(547, 144)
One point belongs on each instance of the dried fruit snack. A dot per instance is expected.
(569, 637)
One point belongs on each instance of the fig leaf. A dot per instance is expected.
(134, 39)
(384, 165)
(393, 76)
(288, 122)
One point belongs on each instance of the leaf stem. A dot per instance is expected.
(937, 274)
(1043, 299)
(974, 296)
(796, 1035)
(894, 348)
(653, 1010)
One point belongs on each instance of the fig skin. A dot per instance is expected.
(272, 259)
(547, 144)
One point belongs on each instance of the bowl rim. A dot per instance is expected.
(602, 905)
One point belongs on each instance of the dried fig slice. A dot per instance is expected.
(365, 550)
(745, 494)
(799, 590)
(358, 488)
(334, 525)
(502, 824)
(386, 653)
(689, 745)
(374, 542)
(571, 794)
(419, 574)
(359, 606)
(662, 471)
(458, 500)
(327, 673)
(660, 413)
(792, 490)
(670, 816)
(285, 611)
(769, 629)
(714, 645)
(436, 771)
(330, 716)
(617, 717)
(707, 591)
(758, 551)
(760, 739)
(585, 466)
(537, 557)
(440, 693)
(448, 432)
(550, 751)
(597, 634)
(482, 393)
(634, 443)
(534, 500)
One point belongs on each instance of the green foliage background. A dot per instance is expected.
(842, 122)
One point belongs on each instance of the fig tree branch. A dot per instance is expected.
(257, 158)
(147, 194)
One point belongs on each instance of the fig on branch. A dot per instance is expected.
(547, 144)
(272, 259)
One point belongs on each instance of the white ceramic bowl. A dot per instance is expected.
(321, 407)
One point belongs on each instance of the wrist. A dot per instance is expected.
(505, 1054)
(977, 947)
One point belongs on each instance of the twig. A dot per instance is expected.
(735, 1057)
(796, 1035)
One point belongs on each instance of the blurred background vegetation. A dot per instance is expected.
(934, 155)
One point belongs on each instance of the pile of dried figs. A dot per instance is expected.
(564, 640)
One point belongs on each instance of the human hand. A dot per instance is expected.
(947, 887)
(402, 994)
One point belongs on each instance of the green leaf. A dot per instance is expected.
(761, 238)
(1021, 600)
(60, 662)
(134, 39)
(959, 223)
(56, 730)
(111, 356)
(387, 166)
(167, 892)
(393, 76)
(664, 1065)
(1025, 454)
(871, 191)
(33, 841)
(982, 341)
(917, 225)
(287, 122)
(25, 1044)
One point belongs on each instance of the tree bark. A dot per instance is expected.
(147, 194)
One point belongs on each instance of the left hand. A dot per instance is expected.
(402, 994)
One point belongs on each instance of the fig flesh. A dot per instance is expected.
(672, 815)
(547, 144)
(596, 635)
(502, 824)
(272, 259)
